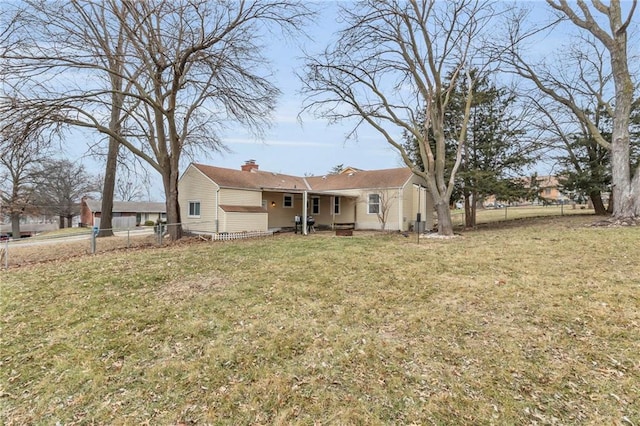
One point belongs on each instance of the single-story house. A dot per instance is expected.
(124, 213)
(221, 200)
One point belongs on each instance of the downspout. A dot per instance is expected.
(217, 210)
(400, 208)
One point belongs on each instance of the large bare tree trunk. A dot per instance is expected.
(116, 66)
(108, 189)
(445, 225)
(598, 205)
(470, 209)
(174, 226)
(626, 189)
(15, 226)
(625, 182)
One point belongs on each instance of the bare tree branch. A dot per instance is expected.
(386, 71)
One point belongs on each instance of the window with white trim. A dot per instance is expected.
(287, 201)
(374, 204)
(315, 205)
(194, 208)
(336, 205)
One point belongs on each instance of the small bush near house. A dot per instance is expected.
(149, 223)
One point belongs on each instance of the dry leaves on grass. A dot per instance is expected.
(182, 289)
(27, 254)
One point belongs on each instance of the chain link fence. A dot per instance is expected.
(72, 242)
(506, 213)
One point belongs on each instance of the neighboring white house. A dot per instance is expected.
(217, 200)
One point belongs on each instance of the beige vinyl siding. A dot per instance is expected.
(241, 222)
(240, 197)
(394, 213)
(354, 210)
(366, 220)
(280, 217)
(325, 216)
(399, 214)
(408, 214)
(195, 186)
(348, 206)
(237, 221)
(425, 200)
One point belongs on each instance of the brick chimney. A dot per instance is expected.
(249, 165)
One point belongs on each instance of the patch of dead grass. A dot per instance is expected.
(192, 287)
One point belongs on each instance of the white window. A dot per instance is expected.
(194, 208)
(315, 205)
(336, 205)
(287, 201)
(374, 203)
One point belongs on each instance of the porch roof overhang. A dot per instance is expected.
(242, 209)
(308, 191)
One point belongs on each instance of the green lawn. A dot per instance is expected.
(537, 323)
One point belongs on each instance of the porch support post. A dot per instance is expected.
(333, 212)
(304, 213)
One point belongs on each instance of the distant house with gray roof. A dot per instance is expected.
(218, 200)
(125, 214)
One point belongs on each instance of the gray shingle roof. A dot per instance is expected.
(129, 206)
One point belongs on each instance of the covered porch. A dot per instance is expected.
(328, 210)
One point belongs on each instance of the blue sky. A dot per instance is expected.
(295, 145)
(304, 145)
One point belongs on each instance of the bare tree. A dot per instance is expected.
(23, 147)
(184, 71)
(132, 183)
(61, 186)
(388, 69)
(9, 26)
(380, 203)
(573, 151)
(608, 26)
(76, 39)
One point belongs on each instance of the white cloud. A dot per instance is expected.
(272, 142)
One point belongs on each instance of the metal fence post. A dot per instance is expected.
(159, 229)
(6, 254)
